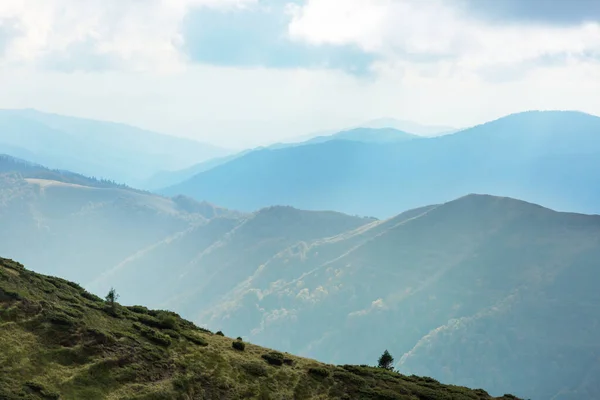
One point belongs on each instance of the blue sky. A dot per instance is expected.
(246, 72)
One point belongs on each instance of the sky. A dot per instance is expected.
(240, 73)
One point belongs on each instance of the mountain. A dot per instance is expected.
(66, 220)
(74, 221)
(166, 179)
(96, 148)
(211, 259)
(26, 169)
(544, 157)
(366, 135)
(480, 291)
(409, 126)
(61, 342)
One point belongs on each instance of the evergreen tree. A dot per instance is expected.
(386, 361)
(111, 299)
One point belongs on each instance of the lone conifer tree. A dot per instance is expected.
(111, 299)
(386, 361)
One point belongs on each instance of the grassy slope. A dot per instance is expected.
(58, 341)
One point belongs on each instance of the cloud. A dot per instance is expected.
(376, 305)
(571, 12)
(258, 37)
(356, 36)
(138, 35)
(440, 33)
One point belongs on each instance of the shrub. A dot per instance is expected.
(238, 345)
(273, 358)
(239, 338)
(288, 361)
(9, 295)
(173, 333)
(153, 335)
(168, 321)
(196, 339)
(220, 333)
(138, 309)
(60, 318)
(40, 389)
(255, 368)
(319, 371)
(90, 296)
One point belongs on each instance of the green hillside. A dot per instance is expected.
(60, 342)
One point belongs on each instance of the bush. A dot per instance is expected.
(238, 345)
(273, 358)
(90, 296)
(153, 335)
(319, 371)
(255, 368)
(168, 321)
(138, 309)
(196, 339)
(220, 333)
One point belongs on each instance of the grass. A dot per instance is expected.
(60, 342)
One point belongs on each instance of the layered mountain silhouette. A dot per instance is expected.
(480, 291)
(447, 287)
(97, 148)
(166, 179)
(450, 286)
(544, 157)
(82, 224)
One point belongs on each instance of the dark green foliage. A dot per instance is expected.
(319, 372)
(138, 309)
(153, 335)
(160, 320)
(39, 389)
(386, 361)
(274, 358)
(238, 345)
(90, 296)
(220, 333)
(111, 299)
(195, 338)
(239, 338)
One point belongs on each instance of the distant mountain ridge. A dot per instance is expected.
(544, 157)
(96, 148)
(167, 179)
(409, 126)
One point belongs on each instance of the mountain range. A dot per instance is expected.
(447, 287)
(97, 148)
(474, 290)
(544, 157)
(166, 179)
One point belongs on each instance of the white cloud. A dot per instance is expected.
(131, 34)
(437, 31)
